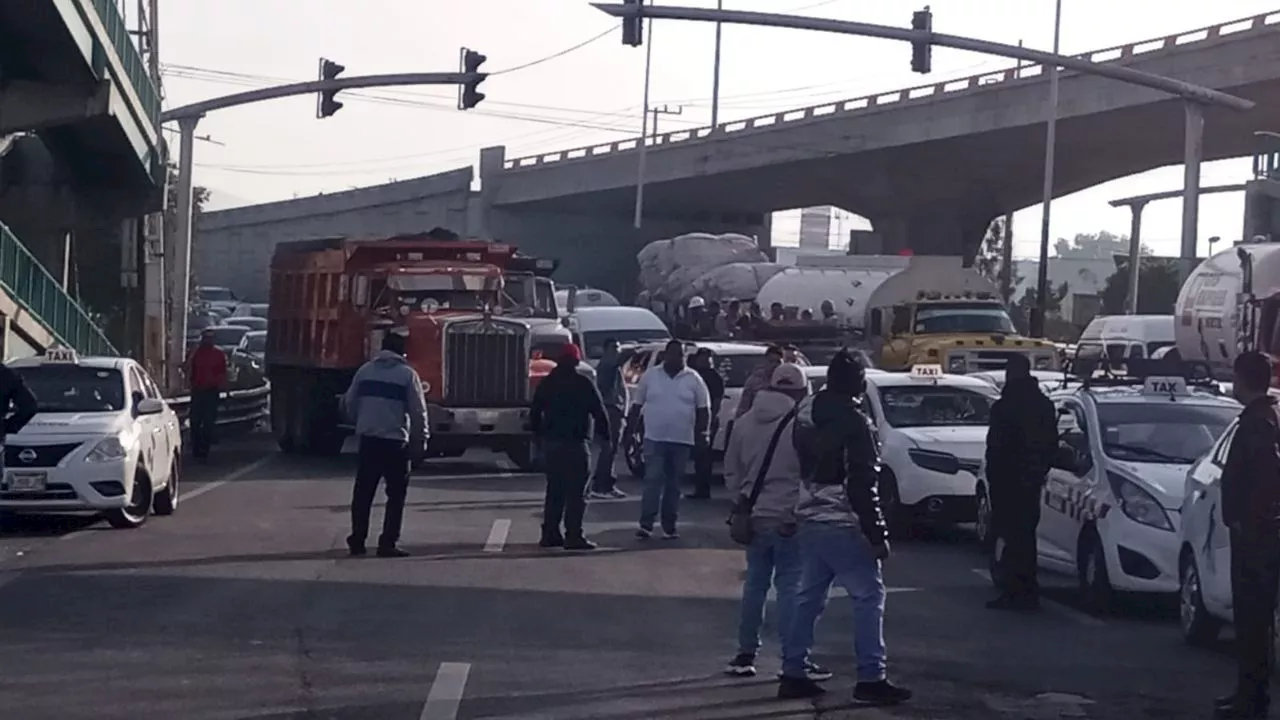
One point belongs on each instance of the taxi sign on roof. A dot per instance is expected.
(1167, 385)
(926, 371)
(61, 355)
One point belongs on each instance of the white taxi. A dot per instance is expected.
(1204, 551)
(1110, 507)
(103, 440)
(932, 428)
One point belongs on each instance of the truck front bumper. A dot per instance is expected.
(478, 421)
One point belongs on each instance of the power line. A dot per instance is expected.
(560, 54)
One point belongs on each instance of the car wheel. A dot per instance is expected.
(167, 499)
(896, 518)
(135, 513)
(982, 523)
(633, 450)
(1198, 626)
(1095, 583)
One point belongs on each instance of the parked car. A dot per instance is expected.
(253, 323)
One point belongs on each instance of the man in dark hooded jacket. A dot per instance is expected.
(1021, 438)
(563, 407)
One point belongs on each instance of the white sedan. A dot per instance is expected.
(103, 440)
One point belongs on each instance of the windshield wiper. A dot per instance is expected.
(1150, 453)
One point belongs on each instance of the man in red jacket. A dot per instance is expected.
(207, 372)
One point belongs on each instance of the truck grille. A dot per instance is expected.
(991, 360)
(486, 364)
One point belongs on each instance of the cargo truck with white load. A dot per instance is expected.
(921, 310)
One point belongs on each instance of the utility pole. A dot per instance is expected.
(644, 114)
(715, 81)
(189, 116)
(1050, 148)
(664, 110)
(1006, 259)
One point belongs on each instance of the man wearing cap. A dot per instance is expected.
(1021, 439)
(207, 375)
(563, 408)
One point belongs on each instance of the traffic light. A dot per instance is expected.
(326, 106)
(922, 50)
(468, 96)
(633, 27)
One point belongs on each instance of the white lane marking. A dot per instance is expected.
(446, 692)
(230, 477)
(474, 476)
(497, 535)
(839, 591)
(1055, 607)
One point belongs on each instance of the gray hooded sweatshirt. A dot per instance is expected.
(747, 447)
(386, 400)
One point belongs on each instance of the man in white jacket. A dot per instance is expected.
(773, 557)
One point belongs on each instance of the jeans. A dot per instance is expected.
(388, 461)
(203, 414)
(1015, 514)
(843, 555)
(771, 559)
(664, 464)
(566, 466)
(603, 481)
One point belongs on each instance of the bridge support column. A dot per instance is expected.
(934, 231)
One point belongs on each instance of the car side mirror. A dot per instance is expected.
(150, 406)
(1065, 458)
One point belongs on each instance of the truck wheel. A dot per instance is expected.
(521, 454)
(281, 411)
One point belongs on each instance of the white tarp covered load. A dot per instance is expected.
(669, 268)
(735, 281)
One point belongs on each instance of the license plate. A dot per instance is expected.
(27, 482)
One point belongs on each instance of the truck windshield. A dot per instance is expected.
(937, 318)
(74, 388)
(530, 292)
(456, 291)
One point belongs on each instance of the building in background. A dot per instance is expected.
(1085, 279)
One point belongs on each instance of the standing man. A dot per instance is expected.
(563, 407)
(387, 403)
(842, 535)
(1021, 439)
(207, 374)
(1251, 509)
(758, 380)
(700, 361)
(676, 407)
(613, 393)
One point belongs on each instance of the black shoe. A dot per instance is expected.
(392, 552)
(742, 665)
(880, 693)
(790, 688)
(356, 549)
(698, 496)
(551, 541)
(579, 543)
(1014, 602)
(1240, 709)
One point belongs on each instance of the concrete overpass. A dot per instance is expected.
(931, 166)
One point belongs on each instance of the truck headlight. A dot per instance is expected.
(1139, 505)
(957, 364)
(1042, 362)
(110, 449)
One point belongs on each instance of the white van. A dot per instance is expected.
(583, 298)
(591, 326)
(1121, 337)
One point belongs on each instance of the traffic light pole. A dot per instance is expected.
(188, 117)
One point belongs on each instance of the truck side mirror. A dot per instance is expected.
(876, 323)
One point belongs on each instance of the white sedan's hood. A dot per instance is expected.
(967, 442)
(45, 425)
(1166, 481)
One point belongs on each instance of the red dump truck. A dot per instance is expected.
(477, 316)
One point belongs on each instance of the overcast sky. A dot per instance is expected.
(278, 150)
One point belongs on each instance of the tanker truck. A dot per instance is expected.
(909, 311)
(1228, 304)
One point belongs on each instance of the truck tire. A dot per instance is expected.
(323, 436)
(281, 408)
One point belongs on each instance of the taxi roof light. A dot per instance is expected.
(926, 372)
(61, 355)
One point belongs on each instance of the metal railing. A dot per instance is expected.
(130, 59)
(920, 94)
(32, 287)
(241, 409)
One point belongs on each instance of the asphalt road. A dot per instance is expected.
(243, 605)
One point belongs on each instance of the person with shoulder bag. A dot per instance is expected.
(761, 463)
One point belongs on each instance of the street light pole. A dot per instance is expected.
(1135, 251)
(644, 131)
(179, 266)
(1193, 154)
(1051, 141)
(715, 82)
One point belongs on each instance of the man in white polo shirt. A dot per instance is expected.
(675, 403)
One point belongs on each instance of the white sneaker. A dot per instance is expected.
(593, 495)
(617, 494)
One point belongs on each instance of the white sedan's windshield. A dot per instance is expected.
(1162, 432)
(71, 388)
(912, 406)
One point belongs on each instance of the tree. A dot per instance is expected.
(1157, 287)
(990, 255)
(1021, 312)
(1098, 246)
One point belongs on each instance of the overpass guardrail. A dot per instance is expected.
(138, 75)
(239, 410)
(35, 290)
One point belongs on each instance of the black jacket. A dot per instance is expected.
(564, 405)
(836, 446)
(715, 388)
(1251, 476)
(1022, 435)
(15, 396)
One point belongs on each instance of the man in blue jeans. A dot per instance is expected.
(676, 408)
(841, 532)
(773, 557)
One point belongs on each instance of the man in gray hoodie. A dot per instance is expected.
(386, 401)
